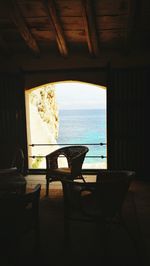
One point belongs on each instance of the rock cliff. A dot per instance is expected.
(44, 122)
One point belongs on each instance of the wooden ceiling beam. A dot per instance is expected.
(56, 26)
(17, 18)
(90, 26)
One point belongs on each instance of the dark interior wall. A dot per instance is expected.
(12, 116)
(97, 75)
(127, 113)
(48, 60)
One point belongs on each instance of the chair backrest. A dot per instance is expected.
(19, 213)
(113, 189)
(74, 154)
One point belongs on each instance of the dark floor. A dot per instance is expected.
(87, 243)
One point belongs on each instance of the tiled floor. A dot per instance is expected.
(32, 180)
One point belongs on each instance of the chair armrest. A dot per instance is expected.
(80, 197)
(6, 171)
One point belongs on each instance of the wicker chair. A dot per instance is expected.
(100, 202)
(75, 156)
(12, 178)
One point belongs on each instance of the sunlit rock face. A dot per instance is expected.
(44, 123)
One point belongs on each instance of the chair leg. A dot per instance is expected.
(83, 179)
(47, 188)
(37, 238)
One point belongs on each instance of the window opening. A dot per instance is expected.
(66, 113)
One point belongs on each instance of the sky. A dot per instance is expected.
(79, 95)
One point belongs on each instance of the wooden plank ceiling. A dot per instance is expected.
(65, 27)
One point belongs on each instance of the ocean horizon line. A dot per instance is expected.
(65, 109)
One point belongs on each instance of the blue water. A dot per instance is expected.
(84, 127)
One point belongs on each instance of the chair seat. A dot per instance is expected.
(59, 172)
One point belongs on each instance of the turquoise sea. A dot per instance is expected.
(84, 127)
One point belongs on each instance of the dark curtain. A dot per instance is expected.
(12, 116)
(128, 137)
